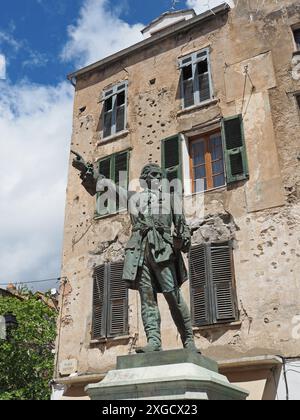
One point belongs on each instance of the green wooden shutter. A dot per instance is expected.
(105, 167)
(199, 290)
(235, 149)
(121, 165)
(222, 283)
(117, 321)
(99, 302)
(171, 158)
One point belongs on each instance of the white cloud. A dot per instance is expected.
(99, 32)
(201, 6)
(2, 67)
(35, 127)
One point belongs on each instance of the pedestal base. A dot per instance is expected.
(169, 375)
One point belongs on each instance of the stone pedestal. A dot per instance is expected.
(166, 375)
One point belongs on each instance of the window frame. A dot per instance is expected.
(194, 60)
(113, 93)
(208, 170)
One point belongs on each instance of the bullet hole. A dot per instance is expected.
(82, 109)
(149, 126)
(266, 321)
(152, 81)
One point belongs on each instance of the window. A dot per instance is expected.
(207, 162)
(110, 302)
(212, 284)
(196, 86)
(297, 38)
(114, 168)
(114, 110)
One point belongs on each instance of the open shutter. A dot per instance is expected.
(99, 302)
(117, 324)
(222, 280)
(171, 160)
(104, 169)
(200, 306)
(121, 175)
(235, 149)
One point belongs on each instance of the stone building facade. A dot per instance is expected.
(213, 97)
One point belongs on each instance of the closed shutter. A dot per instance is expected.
(171, 161)
(235, 149)
(117, 301)
(222, 281)
(212, 284)
(200, 306)
(99, 303)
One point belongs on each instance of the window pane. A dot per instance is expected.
(216, 147)
(200, 185)
(121, 98)
(107, 124)
(218, 167)
(203, 67)
(199, 172)
(219, 180)
(188, 93)
(198, 153)
(108, 104)
(187, 72)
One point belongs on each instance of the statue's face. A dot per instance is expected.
(154, 179)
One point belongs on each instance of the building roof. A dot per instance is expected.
(170, 14)
(161, 35)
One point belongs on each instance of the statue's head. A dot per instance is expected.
(151, 176)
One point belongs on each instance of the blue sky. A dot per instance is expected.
(38, 29)
(41, 41)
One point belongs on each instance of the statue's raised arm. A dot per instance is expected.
(94, 182)
(87, 173)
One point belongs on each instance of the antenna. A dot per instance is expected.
(174, 4)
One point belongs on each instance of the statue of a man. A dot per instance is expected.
(153, 259)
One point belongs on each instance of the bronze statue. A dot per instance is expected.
(153, 259)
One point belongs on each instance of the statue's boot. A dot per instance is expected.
(182, 319)
(151, 320)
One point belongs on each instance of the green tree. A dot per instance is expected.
(26, 358)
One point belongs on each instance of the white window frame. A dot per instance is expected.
(193, 59)
(112, 93)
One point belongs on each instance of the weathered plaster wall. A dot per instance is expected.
(262, 215)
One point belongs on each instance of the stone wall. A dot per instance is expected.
(261, 215)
